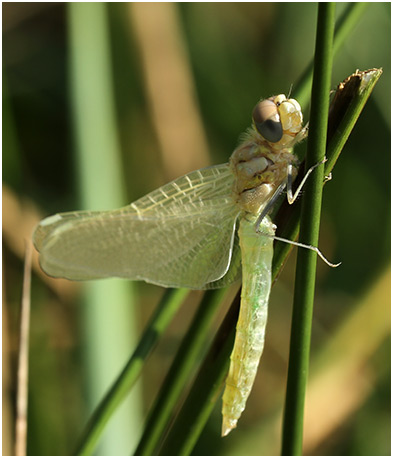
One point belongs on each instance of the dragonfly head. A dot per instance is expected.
(278, 119)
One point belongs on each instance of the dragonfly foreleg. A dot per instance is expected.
(290, 195)
(293, 196)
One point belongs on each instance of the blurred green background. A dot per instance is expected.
(105, 102)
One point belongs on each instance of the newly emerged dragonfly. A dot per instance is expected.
(184, 234)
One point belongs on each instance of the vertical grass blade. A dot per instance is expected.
(292, 439)
(167, 308)
(345, 25)
(107, 312)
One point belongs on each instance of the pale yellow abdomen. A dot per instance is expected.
(257, 253)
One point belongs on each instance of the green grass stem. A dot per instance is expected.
(292, 436)
(179, 373)
(205, 391)
(163, 315)
(344, 27)
(108, 316)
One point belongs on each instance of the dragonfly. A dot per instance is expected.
(201, 231)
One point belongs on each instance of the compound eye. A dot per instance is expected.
(267, 121)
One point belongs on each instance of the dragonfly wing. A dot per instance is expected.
(180, 235)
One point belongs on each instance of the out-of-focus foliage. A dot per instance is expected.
(228, 55)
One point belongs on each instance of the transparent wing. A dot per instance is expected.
(180, 235)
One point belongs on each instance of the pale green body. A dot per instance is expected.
(257, 254)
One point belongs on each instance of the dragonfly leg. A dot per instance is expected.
(290, 195)
(301, 245)
(309, 247)
(293, 196)
(269, 205)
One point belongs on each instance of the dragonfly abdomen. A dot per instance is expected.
(257, 253)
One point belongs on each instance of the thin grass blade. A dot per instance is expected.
(183, 364)
(164, 314)
(292, 437)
